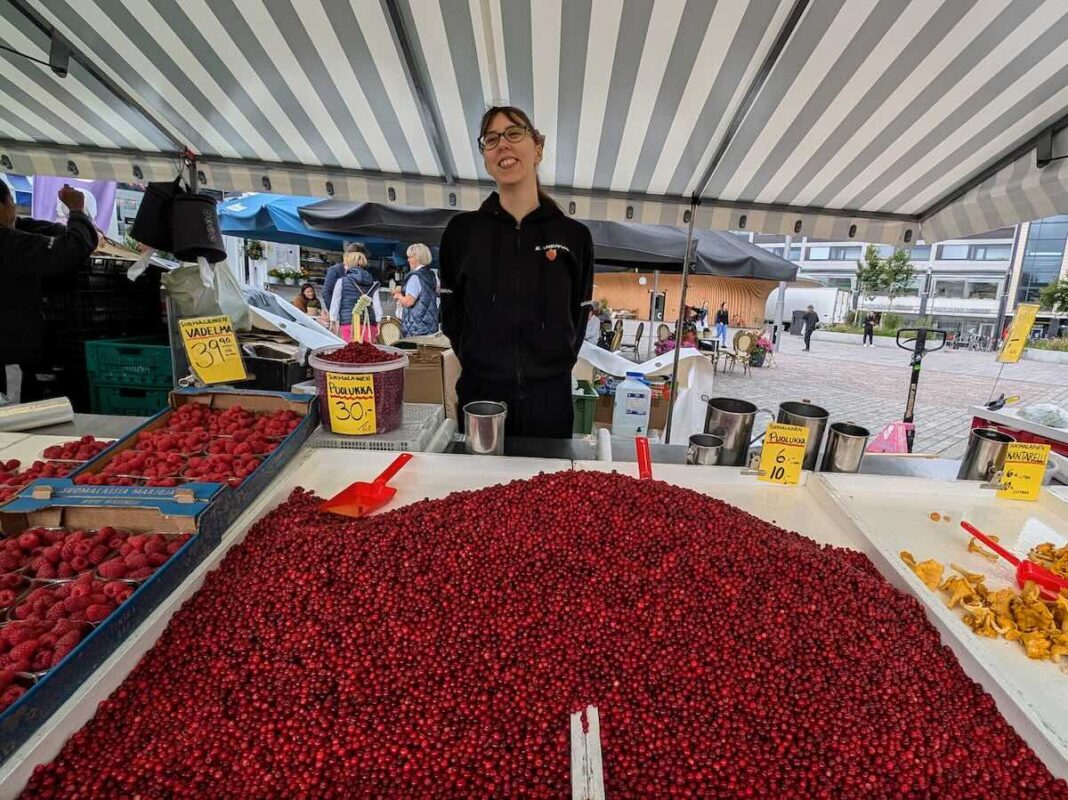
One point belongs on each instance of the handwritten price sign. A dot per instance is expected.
(211, 346)
(783, 453)
(352, 403)
(1025, 467)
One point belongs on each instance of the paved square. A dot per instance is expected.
(869, 385)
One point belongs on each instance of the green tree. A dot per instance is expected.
(898, 274)
(1055, 296)
(870, 273)
(891, 276)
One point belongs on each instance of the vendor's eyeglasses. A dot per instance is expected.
(513, 133)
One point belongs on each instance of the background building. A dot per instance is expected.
(967, 286)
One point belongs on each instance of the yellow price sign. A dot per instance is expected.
(783, 453)
(1019, 333)
(1024, 469)
(211, 346)
(351, 399)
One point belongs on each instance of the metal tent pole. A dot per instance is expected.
(679, 321)
(780, 306)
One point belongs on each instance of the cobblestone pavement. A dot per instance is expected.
(868, 385)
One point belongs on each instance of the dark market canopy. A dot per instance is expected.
(875, 120)
(616, 244)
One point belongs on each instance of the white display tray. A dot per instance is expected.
(805, 508)
(893, 514)
(324, 471)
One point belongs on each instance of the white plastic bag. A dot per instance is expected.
(200, 290)
(1045, 414)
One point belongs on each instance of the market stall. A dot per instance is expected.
(442, 645)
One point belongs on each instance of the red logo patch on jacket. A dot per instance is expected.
(551, 254)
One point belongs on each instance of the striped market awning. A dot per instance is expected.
(880, 120)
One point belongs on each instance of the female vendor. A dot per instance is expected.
(517, 278)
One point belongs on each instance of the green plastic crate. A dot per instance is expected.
(128, 401)
(138, 361)
(585, 402)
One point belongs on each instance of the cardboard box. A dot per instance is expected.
(658, 411)
(431, 373)
(21, 720)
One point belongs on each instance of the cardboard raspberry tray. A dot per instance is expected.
(20, 721)
(232, 499)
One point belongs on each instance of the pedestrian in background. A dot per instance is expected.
(308, 301)
(357, 283)
(811, 320)
(869, 330)
(418, 299)
(336, 271)
(723, 318)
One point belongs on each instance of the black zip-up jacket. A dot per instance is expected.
(31, 252)
(515, 295)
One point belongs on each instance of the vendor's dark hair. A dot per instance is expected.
(308, 286)
(519, 117)
(5, 193)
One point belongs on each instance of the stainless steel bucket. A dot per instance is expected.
(732, 421)
(484, 428)
(808, 416)
(704, 449)
(845, 447)
(985, 454)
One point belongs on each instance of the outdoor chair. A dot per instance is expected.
(636, 344)
(617, 339)
(743, 344)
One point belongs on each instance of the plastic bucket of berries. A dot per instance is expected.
(384, 365)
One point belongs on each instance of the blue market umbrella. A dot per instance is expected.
(276, 218)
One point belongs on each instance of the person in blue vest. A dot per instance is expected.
(355, 285)
(335, 272)
(419, 297)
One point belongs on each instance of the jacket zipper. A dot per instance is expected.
(518, 315)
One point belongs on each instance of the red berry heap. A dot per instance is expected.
(80, 450)
(139, 555)
(52, 619)
(12, 687)
(359, 353)
(59, 461)
(12, 585)
(12, 481)
(438, 651)
(59, 554)
(187, 446)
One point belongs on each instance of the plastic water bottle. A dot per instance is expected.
(630, 416)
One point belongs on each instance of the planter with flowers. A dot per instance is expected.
(760, 350)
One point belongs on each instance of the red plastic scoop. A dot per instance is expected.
(645, 461)
(362, 498)
(1026, 570)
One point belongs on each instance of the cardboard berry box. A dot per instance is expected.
(23, 718)
(234, 499)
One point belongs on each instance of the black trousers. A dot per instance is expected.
(808, 337)
(869, 337)
(542, 410)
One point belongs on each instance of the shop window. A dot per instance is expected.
(953, 252)
(847, 253)
(949, 289)
(982, 290)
